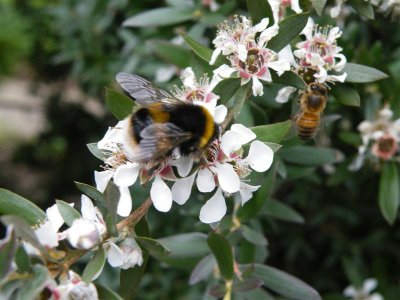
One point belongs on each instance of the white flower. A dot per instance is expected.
(319, 52)
(47, 233)
(363, 293)
(279, 6)
(86, 232)
(73, 287)
(127, 255)
(226, 169)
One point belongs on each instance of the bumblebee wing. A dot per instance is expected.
(143, 91)
(158, 139)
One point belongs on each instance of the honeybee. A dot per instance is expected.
(312, 105)
(162, 123)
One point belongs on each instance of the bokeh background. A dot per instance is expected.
(57, 57)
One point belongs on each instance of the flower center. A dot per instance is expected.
(386, 144)
(254, 61)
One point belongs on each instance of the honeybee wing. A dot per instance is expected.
(157, 140)
(143, 91)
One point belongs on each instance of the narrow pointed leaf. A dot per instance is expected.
(307, 155)
(319, 6)
(95, 265)
(119, 104)
(154, 247)
(68, 213)
(253, 236)
(159, 17)
(202, 51)
(258, 10)
(171, 53)
(272, 133)
(106, 293)
(100, 154)
(289, 78)
(94, 194)
(203, 269)
(363, 8)
(226, 89)
(8, 248)
(111, 195)
(222, 251)
(22, 260)
(360, 73)
(389, 191)
(35, 285)
(346, 95)
(281, 211)
(13, 204)
(285, 284)
(247, 285)
(289, 28)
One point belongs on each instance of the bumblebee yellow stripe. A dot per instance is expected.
(157, 114)
(208, 128)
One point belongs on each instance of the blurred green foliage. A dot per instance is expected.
(344, 237)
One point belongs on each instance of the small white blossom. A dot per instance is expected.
(225, 168)
(72, 287)
(279, 7)
(127, 255)
(363, 293)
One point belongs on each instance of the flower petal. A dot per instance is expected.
(246, 134)
(230, 142)
(246, 191)
(87, 208)
(115, 256)
(54, 216)
(260, 156)
(369, 285)
(214, 209)
(46, 235)
(102, 178)
(284, 94)
(257, 87)
(161, 195)
(184, 164)
(205, 181)
(125, 202)
(182, 188)
(228, 179)
(220, 113)
(126, 175)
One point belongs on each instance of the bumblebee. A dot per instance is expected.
(162, 123)
(312, 105)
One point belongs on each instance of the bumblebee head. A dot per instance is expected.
(318, 88)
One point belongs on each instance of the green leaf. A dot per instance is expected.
(106, 293)
(22, 260)
(100, 154)
(253, 236)
(111, 195)
(203, 269)
(240, 97)
(319, 6)
(363, 8)
(202, 51)
(119, 104)
(154, 247)
(226, 89)
(285, 284)
(94, 194)
(35, 285)
(360, 73)
(246, 285)
(171, 53)
(159, 17)
(8, 248)
(289, 28)
(258, 10)
(279, 210)
(389, 191)
(253, 207)
(289, 78)
(308, 155)
(130, 279)
(95, 265)
(24, 231)
(272, 133)
(346, 95)
(13, 204)
(186, 245)
(222, 251)
(68, 213)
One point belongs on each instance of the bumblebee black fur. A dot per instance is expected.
(162, 123)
